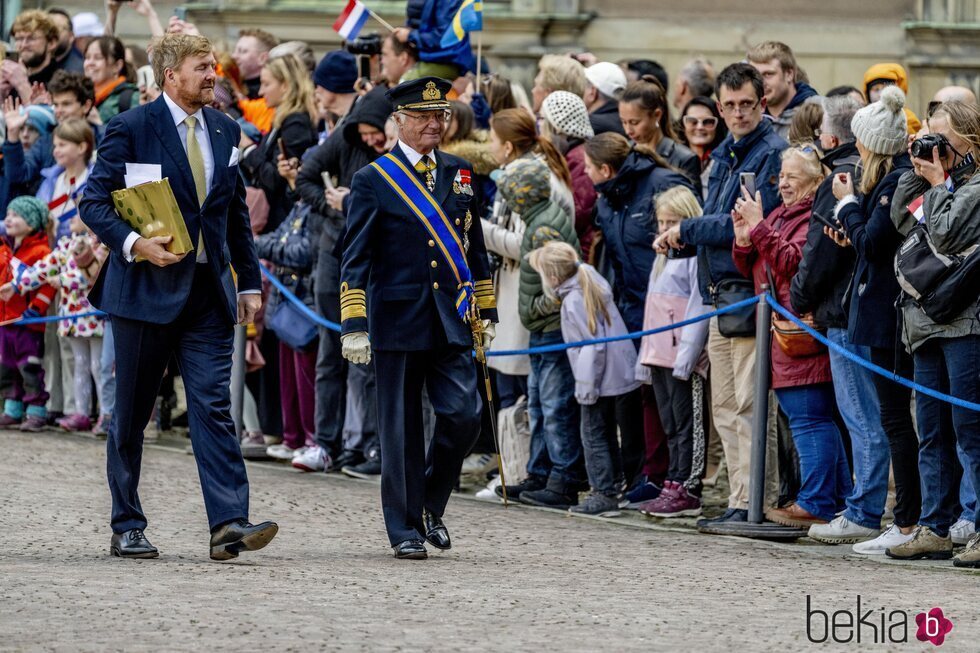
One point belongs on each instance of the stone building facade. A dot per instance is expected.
(835, 40)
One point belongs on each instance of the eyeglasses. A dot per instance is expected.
(742, 107)
(710, 122)
(34, 37)
(429, 116)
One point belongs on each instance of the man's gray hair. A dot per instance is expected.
(700, 77)
(838, 112)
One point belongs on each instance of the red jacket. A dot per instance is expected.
(778, 242)
(585, 196)
(31, 250)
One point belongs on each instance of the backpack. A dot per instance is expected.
(942, 285)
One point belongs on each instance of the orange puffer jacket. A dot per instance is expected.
(32, 249)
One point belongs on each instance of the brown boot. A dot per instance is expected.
(924, 545)
(970, 556)
(793, 515)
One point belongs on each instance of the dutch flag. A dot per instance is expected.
(351, 20)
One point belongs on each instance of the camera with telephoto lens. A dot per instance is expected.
(922, 147)
(369, 45)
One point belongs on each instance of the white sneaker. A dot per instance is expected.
(283, 452)
(489, 492)
(841, 531)
(877, 547)
(962, 531)
(314, 459)
(478, 464)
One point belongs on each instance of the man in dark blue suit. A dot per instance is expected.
(415, 287)
(163, 304)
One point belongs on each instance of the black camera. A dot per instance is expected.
(922, 147)
(369, 45)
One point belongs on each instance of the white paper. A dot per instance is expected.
(141, 173)
(235, 153)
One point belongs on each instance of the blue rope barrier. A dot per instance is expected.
(297, 302)
(629, 336)
(854, 358)
(56, 318)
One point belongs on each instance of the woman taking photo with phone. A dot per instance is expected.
(873, 325)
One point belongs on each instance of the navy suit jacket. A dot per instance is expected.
(391, 262)
(143, 291)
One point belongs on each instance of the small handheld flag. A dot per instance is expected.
(351, 20)
(469, 18)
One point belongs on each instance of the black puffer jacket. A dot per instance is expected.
(826, 269)
(340, 156)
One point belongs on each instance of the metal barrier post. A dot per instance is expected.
(760, 407)
(238, 380)
(756, 526)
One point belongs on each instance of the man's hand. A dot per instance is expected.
(155, 251)
(489, 333)
(670, 239)
(6, 292)
(356, 347)
(248, 305)
(15, 74)
(335, 197)
(401, 34)
(143, 8)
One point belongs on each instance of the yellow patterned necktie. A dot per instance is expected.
(196, 159)
(425, 166)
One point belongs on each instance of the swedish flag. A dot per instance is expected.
(469, 18)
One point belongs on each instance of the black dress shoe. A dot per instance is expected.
(410, 550)
(436, 532)
(228, 540)
(132, 544)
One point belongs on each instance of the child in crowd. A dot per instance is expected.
(676, 364)
(73, 266)
(22, 346)
(603, 372)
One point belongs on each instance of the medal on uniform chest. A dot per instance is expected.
(462, 184)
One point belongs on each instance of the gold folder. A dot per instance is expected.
(151, 210)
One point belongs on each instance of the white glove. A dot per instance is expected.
(356, 347)
(489, 333)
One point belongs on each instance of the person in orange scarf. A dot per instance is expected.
(114, 79)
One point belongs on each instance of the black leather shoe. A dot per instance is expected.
(436, 532)
(132, 544)
(228, 540)
(410, 550)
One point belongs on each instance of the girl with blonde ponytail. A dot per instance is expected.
(603, 372)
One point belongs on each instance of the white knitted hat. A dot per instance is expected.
(882, 126)
(567, 113)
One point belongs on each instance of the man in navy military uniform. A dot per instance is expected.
(413, 276)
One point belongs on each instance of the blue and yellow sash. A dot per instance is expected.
(423, 206)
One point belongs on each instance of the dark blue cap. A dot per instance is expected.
(336, 72)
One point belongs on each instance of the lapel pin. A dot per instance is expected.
(217, 131)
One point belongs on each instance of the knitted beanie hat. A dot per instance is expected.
(33, 210)
(525, 183)
(567, 113)
(882, 126)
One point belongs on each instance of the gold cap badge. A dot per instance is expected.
(431, 92)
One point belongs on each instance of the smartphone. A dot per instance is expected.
(327, 181)
(828, 222)
(180, 13)
(747, 179)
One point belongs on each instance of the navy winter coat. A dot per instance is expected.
(713, 234)
(625, 214)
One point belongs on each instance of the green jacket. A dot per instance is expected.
(123, 97)
(543, 222)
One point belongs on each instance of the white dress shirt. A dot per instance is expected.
(203, 141)
(414, 157)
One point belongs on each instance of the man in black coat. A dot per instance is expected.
(415, 289)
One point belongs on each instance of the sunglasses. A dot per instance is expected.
(710, 122)
(933, 106)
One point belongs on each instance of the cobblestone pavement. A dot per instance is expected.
(518, 579)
